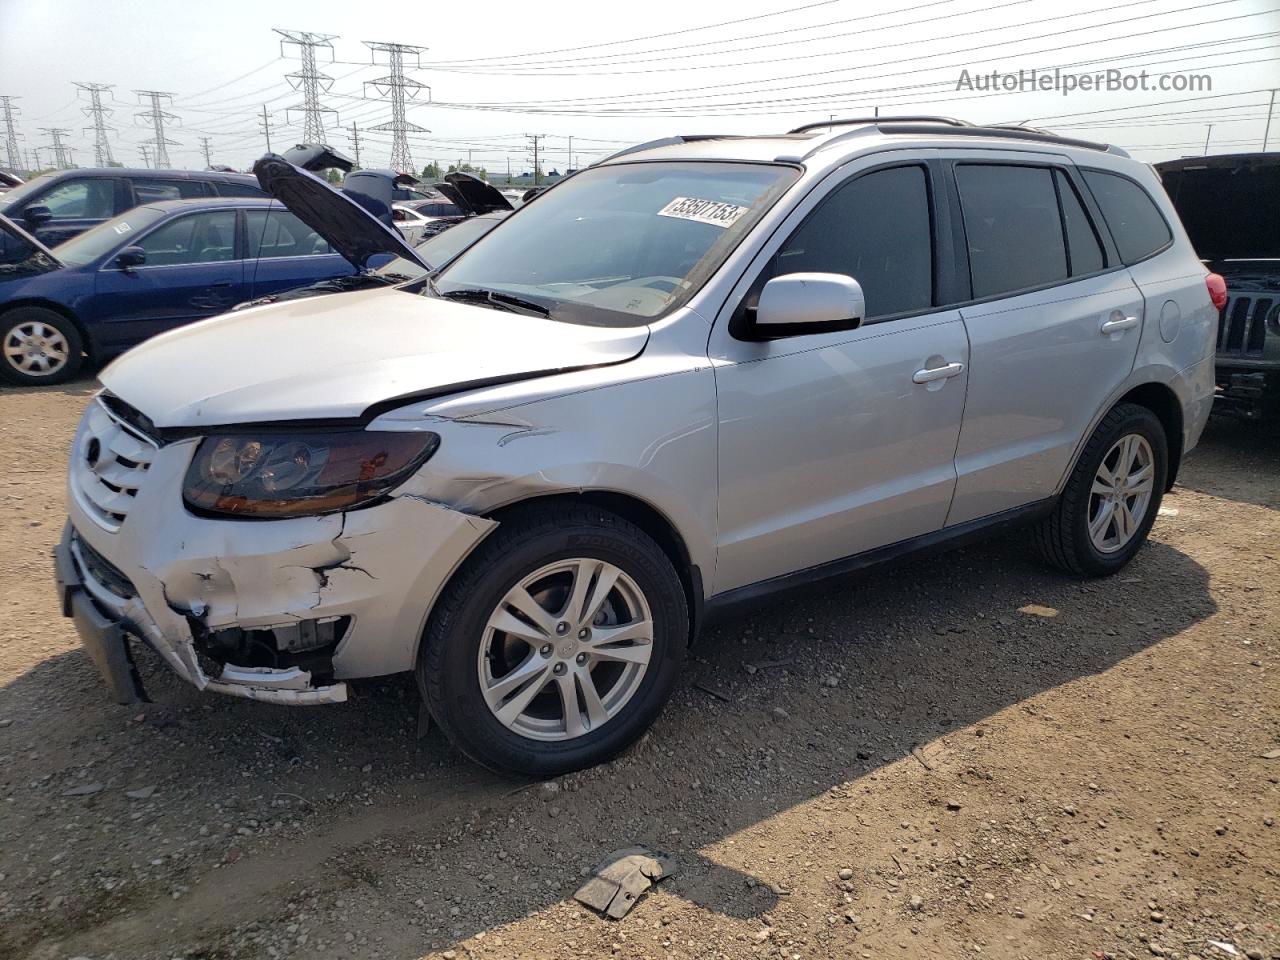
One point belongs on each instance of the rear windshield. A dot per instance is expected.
(620, 244)
(84, 249)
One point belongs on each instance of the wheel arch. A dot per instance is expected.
(644, 515)
(90, 348)
(1163, 402)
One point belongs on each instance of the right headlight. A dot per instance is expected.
(272, 475)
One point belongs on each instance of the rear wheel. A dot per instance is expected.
(557, 644)
(1112, 497)
(38, 346)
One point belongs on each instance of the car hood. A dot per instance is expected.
(22, 255)
(347, 358)
(1227, 203)
(471, 194)
(349, 229)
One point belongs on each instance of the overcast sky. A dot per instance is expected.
(611, 73)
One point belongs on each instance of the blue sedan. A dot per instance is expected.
(155, 268)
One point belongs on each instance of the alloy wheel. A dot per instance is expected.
(1121, 493)
(566, 649)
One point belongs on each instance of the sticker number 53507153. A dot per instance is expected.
(703, 211)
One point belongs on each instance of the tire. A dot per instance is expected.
(1065, 537)
(58, 344)
(547, 552)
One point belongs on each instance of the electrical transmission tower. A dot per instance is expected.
(11, 132)
(397, 87)
(157, 116)
(205, 148)
(98, 114)
(61, 157)
(310, 80)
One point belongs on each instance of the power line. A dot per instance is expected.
(310, 80)
(11, 135)
(157, 116)
(98, 114)
(397, 87)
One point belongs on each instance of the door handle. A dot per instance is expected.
(930, 374)
(1118, 323)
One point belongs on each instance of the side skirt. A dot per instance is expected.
(734, 602)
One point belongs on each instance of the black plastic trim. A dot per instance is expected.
(728, 603)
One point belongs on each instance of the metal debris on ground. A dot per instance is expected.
(619, 879)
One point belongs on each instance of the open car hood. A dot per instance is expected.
(21, 254)
(1227, 204)
(350, 229)
(472, 195)
(342, 359)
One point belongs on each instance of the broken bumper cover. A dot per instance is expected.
(105, 621)
(169, 578)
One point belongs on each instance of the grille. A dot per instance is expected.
(109, 465)
(1242, 325)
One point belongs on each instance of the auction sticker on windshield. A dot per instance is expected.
(703, 211)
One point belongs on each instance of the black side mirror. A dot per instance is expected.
(131, 257)
(36, 216)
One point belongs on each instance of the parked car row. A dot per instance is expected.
(697, 373)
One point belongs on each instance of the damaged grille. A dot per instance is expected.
(1242, 325)
(103, 571)
(109, 466)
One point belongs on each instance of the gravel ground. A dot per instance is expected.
(966, 755)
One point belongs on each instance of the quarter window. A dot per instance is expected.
(1135, 221)
(153, 191)
(1012, 227)
(82, 199)
(230, 188)
(1083, 246)
(876, 229)
(199, 238)
(278, 233)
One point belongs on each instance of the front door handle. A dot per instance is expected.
(1117, 323)
(930, 374)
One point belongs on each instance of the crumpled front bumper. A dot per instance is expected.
(161, 574)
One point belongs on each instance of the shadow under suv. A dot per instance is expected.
(701, 371)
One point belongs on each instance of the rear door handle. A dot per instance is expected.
(1117, 323)
(930, 374)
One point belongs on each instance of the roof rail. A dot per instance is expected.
(667, 142)
(851, 121)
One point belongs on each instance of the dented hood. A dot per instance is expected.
(347, 358)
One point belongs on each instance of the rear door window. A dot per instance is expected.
(1137, 226)
(876, 229)
(83, 198)
(226, 188)
(1012, 227)
(278, 233)
(1084, 249)
(154, 190)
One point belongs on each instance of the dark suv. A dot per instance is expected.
(1228, 206)
(57, 206)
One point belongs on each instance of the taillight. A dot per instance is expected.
(1217, 290)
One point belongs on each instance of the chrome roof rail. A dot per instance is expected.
(851, 121)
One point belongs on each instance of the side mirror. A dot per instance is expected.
(131, 257)
(36, 216)
(800, 303)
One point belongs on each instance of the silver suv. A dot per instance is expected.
(701, 371)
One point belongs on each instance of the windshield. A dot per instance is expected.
(621, 244)
(82, 250)
(444, 246)
(17, 197)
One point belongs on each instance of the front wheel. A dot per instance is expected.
(557, 644)
(38, 346)
(1111, 499)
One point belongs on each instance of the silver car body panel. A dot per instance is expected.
(764, 458)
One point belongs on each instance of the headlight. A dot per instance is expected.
(300, 474)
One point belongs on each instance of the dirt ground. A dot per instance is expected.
(1002, 761)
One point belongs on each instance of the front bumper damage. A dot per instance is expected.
(356, 586)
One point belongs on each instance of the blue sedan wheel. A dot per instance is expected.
(38, 346)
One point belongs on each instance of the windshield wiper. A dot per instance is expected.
(495, 299)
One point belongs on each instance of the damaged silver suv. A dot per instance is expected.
(703, 370)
